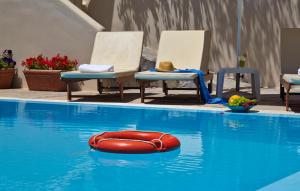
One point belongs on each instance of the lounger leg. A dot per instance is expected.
(220, 83)
(165, 87)
(210, 84)
(142, 90)
(281, 88)
(69, 91)
(121, 86)
(120, 83)
(196, 81)
(287, 95)
(100, 86)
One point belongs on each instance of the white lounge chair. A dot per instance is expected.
(186, 50)
(287, 82)
(122, 50)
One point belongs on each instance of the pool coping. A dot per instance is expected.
(156, 106)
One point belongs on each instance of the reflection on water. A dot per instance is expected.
(130, 160)
(44, 147)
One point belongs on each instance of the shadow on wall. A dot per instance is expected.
(156, 15)
(262, 24)
(290, 46)
(100, 10)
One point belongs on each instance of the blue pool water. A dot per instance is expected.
(43, 146)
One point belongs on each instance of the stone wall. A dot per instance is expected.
(263, 22)
(290, 57)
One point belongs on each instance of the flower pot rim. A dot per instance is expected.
(27, 70)
(54, 71)
(8, 69)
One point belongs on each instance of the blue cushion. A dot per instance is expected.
(292, 78)
(100, 75)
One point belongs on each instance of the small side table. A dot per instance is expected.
(255, 79)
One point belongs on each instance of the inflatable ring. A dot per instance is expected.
(133, 142)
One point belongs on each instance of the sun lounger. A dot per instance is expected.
(122, 50)
(186, 50)
(287, 82)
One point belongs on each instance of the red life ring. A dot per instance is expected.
(133, 142)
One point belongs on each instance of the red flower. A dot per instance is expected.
(55, 63)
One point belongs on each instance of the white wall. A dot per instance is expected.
(31, 27)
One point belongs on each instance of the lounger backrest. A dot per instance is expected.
(185, 49)
(121, 49)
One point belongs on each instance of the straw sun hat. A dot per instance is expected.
(166, 66)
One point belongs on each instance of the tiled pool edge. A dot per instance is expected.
(153, 106)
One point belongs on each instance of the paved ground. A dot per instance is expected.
(270, 100)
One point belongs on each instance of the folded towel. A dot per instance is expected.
(93, 68)
(299, 71)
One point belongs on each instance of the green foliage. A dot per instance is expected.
(6, 60)
(4, 65)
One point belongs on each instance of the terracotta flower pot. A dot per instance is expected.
(6, 78)
(44, 80)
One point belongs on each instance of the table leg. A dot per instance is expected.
(220, 83)
(237, 85)
(257, 85)
(253, 85)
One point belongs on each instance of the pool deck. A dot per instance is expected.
(270, 101)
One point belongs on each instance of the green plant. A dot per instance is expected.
(3, 65)
(6, 61)
(243, 60)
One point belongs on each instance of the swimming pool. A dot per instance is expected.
(43, 146)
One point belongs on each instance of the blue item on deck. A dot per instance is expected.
(204, 93)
